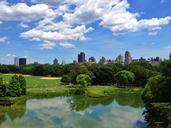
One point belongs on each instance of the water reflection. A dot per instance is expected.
(76, 112)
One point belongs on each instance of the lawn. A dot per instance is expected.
(42, 87)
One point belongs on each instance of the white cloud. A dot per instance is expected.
(74, 23)
(23, 12)
(3, 39)
(153, 33)
(23, 25)
(10, 55)
(67, 45)
(1, 22)
(50, 38)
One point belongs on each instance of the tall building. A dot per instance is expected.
(128, 58)
(92, 60)
(81, 58)
(55, 62)
(170, 56)
(120, 59)
(102, 60)
(22, 61)
(16, 61)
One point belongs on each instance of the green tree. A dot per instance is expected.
(84, 81)
(2, 88)
(17, 86)
(124, 78)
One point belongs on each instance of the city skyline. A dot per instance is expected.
(66, 29)
(125, 58)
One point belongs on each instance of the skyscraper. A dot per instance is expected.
(128, 58)
(55, 62)
(81, 57)
(102, 60)
(92, 60)
(16, 61)
(120, 59)
(22, 61)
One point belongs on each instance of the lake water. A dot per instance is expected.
(121, 111)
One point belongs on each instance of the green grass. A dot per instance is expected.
(34, 81)
(43, 88)
(104, 91)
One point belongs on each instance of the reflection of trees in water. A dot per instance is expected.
(158, 115)
(79, 103)
(13, 111)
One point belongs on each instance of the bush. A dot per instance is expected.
(17, 86)
(66, 79)
(124, 78)
(83, 80)
(2, 88)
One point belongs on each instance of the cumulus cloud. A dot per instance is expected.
(23, 25)
(61, 22)
(23, 12)
(3, 39)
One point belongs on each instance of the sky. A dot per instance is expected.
(42, 30)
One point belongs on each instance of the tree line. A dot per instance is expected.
(136, 74)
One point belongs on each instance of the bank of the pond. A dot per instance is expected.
(92, 91)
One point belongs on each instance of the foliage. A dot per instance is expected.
(66, 79)
(124, 78)
(3, 88)
(141, 73)
(158, 88)
(83, 82)
(17, 86)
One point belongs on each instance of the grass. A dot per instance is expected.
(43, 88)
(104, 91)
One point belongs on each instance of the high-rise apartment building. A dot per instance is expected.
(128, 58)
(102, 60)
(120, 59)
(92, 60)
(55, 62)
(16, 61)
(81, 58)
(22, 61)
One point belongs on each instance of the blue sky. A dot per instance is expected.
(42, 30)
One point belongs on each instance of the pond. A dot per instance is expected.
(120, 111)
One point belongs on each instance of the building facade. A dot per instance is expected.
(92, 60)
(81, 58)
(55, 62)
(128, 58)
(119, 59)
(16, 61)
(22, 61)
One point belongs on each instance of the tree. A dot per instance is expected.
(66, 79)
(2, 88)
(83, 80)
(141, 73)
(22, 82)
(124, 78)
(17, 86)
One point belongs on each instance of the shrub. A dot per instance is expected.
(83, 81)
(17, 86)
(66, 79)
(124, 78)
(2, 88)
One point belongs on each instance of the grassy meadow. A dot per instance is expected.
(43, 87)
